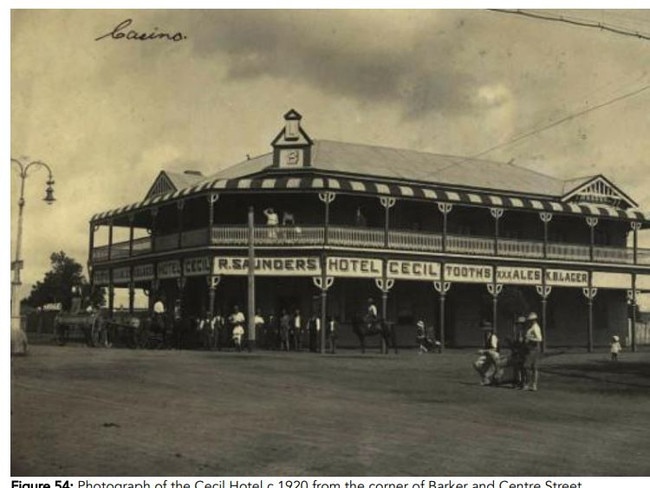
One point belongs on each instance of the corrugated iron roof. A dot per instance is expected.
(398, 172)
(182, 180)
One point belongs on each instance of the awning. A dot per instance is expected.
(352, 186)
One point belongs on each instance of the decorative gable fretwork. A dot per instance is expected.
(601, 192)
(161, 186)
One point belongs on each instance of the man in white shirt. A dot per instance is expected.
(237, 335)
(533, 340)
(237, 320)
(297, 331)
(159, 315)
(260, 330)
(272, 221)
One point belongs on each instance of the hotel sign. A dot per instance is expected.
(508, 275)
(197, 266)
(354, 267)
(413, 270)
(285, 266)
(564, 277)
(169, 269)
(468, 273)
(143, 272)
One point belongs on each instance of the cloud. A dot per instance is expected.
(390, 58)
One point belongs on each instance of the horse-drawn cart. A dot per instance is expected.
(90, 326)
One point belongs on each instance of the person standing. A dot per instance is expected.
(272, 222)
(260, 330)
(297, 331)
(285, 326)
(360, 219)
(237, 318)
(519, 350)
(314, 332)
(159, 315)
(492, 355)
(332, 331)
(533, 339)
(615, 348)
(237, 335)
(421, 337)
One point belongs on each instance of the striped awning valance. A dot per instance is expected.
(351, 185)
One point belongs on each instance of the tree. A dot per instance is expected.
(57, 285)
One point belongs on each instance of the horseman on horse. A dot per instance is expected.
(372, 318)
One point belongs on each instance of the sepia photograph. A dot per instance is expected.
(322, 243)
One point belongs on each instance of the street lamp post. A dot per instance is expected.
(17, 264)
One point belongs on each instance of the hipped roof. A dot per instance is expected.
(400, 172)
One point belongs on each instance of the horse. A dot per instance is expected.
(385, 329)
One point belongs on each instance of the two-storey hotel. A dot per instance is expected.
(450, 240)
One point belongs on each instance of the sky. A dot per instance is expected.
(108, 115)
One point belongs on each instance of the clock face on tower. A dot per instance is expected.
(291, 158)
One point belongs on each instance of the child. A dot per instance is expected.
(237, 334)
(615, 348)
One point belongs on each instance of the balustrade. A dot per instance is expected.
(142, 245)
(192, 238)
(416, 241)
(166, 242)
(520, 249)
(357, 237)
(570, 252)
(469, 245)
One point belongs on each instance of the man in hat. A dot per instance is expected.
(533, 339)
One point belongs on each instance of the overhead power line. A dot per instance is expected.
(562, 120)
(578, 22)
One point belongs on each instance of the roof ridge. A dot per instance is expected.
(454, 156)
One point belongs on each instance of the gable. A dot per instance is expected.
(162, 184)
(599, 190)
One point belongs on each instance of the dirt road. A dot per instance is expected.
(80, 411)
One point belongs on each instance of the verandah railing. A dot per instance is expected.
(356, 237)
